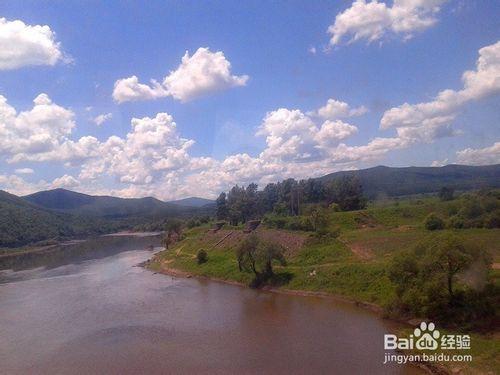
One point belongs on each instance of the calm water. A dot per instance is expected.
(92, 311)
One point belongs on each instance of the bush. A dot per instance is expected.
(300, 223)
(456, 222)
(471, 209)
(193, 223)
(492, 220)
(202, 256)
(433, 222)
(274, 221)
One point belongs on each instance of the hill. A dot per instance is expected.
(389, 181)
(22, 223)
(67, 201)
(193, 202)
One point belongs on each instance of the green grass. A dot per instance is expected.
(321, 252)
(485, 351)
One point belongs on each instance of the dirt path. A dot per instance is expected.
(178, 252)
(360, 250)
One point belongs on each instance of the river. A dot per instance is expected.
(91, 310)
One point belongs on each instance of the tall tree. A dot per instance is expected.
(221, 210)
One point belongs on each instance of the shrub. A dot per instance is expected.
(193, 223)
(274, 221)
(492, 220)
(433, 222)
(471, 209)
(202, 256)
(300, 223)
(456, 222)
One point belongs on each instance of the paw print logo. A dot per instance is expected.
(427, 336)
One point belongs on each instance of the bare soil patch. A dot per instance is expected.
(226, 238)
(361, 250)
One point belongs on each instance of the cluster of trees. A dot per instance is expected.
(173, 232)
(471, 210)
(288, 197)
(257, 256)
(446, 280)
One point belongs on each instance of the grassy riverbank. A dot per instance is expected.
(352, 265)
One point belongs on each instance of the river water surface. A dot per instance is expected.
(92, 310)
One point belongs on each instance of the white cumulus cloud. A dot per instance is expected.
(433, 119)
(336, 109)
(37, 131)
(23, 45)
(202, 73)
(480, 156)
(374, 20)
(129, 89)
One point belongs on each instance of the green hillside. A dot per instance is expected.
(68, 201)
(22, 223)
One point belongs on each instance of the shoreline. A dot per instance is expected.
(430, 368)
(34, 248)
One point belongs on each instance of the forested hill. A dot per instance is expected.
(68, 201)
(380, 181)
(22, 223)
(62, 214)
(193, 202)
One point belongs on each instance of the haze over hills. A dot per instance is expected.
(390, 181)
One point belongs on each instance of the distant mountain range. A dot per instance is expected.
(60, 213)
(193, 202)
(68, 201)
(22, 223)
(388, 181)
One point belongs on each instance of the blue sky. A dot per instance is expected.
(257, 119)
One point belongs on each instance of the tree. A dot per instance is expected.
(446, 193)
(433, 222)
(246, 254)
(235, 204)
(258, 256)
(221, 210)
(202, 256)
(173, 230)
(448, 257)
(347, 192)
(270, 196)
(319, 219)
(430, 282)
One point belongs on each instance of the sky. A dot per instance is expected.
(186, 98)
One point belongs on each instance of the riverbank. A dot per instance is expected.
(331, 268)
(159, 324)
(430, 368)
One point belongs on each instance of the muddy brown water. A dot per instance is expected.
(92, 311)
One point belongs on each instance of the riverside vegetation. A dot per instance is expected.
(428, 257)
